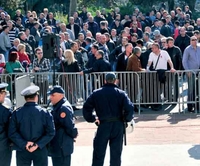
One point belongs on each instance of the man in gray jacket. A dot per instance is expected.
(5, 44)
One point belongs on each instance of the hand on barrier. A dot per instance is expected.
(172, 70)
(189, 74)
(81, 73)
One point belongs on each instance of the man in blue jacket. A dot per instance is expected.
(5, 113)
(112, 107)
(31, 128)
(62, 145)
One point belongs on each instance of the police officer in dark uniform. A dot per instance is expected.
(5, 113)
(31, 129)
(62, 145)
(112, 107)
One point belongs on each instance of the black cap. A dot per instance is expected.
(110, 76)
(57, 89)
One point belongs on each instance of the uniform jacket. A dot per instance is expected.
(63, 142)
(31, 123)
(134, 63)
(109, 102)
(4, 122)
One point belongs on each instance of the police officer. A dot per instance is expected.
(5, 113)
(31, 129)
(62, 145)
(112, 107)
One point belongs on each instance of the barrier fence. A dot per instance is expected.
(143, 88)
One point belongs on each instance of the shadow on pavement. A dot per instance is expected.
(177, 117)
(194, 152)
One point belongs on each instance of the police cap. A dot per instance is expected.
(57, 89)
(31, 90)
(110, 76)
(3, 87)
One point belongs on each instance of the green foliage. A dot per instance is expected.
(10, 5)
(195, 15)
(61, 17)
(127, 9)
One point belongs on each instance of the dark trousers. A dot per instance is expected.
(191, 90)
(111, 132)
(5, 157)
(38, 157)
(61, 161)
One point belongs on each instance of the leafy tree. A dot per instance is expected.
(10, 5)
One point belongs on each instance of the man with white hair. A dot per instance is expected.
(63, 29)
(75, 28)
(16, 42)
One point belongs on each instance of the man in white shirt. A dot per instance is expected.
(160, 65)
(163, 59)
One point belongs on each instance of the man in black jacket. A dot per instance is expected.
(183, 40)
(75, 28)
(77, 55)
(118, 50)
(122, 59)
(100, 65)
(176, 57)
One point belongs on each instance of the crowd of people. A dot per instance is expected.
(105, 42)
(158, 40)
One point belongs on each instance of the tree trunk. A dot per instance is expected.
(191, 4)
(73, 7)
(171, 5)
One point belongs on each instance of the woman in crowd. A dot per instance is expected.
(23, 56)
(69, 63)
(13, 66)
(69, 81)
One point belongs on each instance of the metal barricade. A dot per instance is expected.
(43, 80)
(75, 87)
(143, 88)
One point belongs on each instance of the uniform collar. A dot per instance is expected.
(110, 85)
(58, 105)
(30, 103)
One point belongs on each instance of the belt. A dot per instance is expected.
(110, 120)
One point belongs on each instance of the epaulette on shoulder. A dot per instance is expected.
(16, 109)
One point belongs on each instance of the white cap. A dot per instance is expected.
(33, 89)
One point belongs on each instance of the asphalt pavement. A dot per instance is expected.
(162, 138)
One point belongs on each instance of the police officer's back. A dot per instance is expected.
(5, 113)
(112, 107)
(31, 129)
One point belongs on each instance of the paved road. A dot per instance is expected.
(161, 139)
